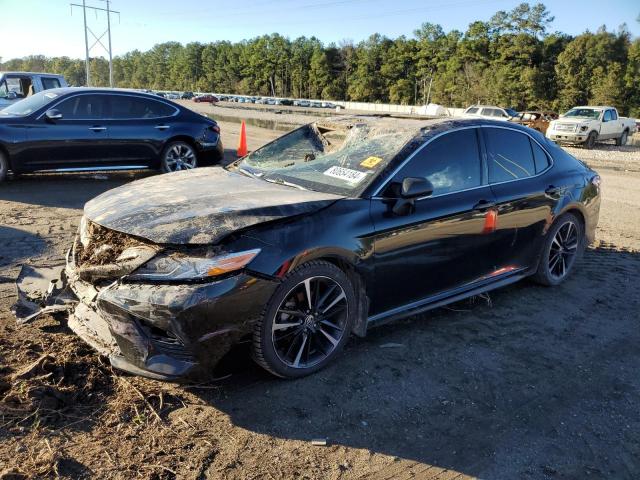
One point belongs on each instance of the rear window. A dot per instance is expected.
(50, 82)
(472, 110)
(509, 155)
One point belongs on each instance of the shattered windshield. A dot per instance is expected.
(583, 113)
(331, 157)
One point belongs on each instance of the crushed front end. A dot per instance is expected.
(168, 329)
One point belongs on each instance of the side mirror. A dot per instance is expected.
(410, 189)
(53, 114)
(12, 95)
(415, 187)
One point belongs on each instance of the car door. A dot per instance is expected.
(446, 241)
(525, 192)
(139, 127)
(78, 139)
(610, 126)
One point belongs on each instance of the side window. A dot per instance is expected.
(509, 155)
(451, 162)
(540, 158)
(49, 82)
(128, 107)
(614, 115)
(83, 107)
(472, 110)
(607, 116)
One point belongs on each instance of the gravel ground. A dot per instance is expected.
(541, 383)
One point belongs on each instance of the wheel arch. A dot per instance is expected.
(348, 262)
(182, 138)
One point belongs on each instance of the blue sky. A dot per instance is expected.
(48, 27)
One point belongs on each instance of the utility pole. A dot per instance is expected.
(98, 39)
(86, 41)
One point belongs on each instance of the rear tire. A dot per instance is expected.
(4, 166)
(178, 156)
(591, 140)
(307, 322)
(622, 140)
(562, 247)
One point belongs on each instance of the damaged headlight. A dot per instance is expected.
(168, 267)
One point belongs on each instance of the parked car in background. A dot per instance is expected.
(69, 129)
(286, 101)
(489, 112)
(161, 94)
(316, 104)
(187, 95)
(538, 120)
(206, 98)
(588, 125)
(296, 247)
(15, 86)
(328, 105)
(172, 96)
(303, 103)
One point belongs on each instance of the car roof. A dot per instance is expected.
(69, 90)
(29, 73)
(421, 127)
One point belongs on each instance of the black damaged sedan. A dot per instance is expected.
(333, 228)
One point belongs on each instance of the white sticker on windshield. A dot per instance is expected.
(346, 174)
(50, 95)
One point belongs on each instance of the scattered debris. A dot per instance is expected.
(319, 442)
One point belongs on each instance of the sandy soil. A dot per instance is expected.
(537, 383)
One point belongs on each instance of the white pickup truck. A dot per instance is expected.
(15, 86)
(588, 125)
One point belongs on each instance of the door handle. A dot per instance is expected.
(483, 205)
(97, 129)
(551, 190)
(162, 127)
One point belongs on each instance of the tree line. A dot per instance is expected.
(511, 60)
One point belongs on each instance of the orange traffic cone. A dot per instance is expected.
(242, 143)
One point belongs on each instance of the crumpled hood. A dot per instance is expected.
(198, 206)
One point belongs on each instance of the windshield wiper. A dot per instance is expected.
(249, 174)
(280, 181)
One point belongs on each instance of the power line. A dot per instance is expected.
(98, 39)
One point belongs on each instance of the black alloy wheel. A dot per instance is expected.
(307, 322)
(562, 247)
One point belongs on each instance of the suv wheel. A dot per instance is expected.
(591, 140)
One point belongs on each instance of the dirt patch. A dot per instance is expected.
(540, 383)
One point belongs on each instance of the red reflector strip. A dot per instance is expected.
(490, 221)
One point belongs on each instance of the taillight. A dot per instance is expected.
(215, 128)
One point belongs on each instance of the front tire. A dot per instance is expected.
(4, 166)
(178, 156)
(307, 322)
(562, 246)
(591, 140)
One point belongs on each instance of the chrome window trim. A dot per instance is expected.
(121, 94)
(406, 160)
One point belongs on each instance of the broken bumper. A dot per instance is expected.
(168, 331)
